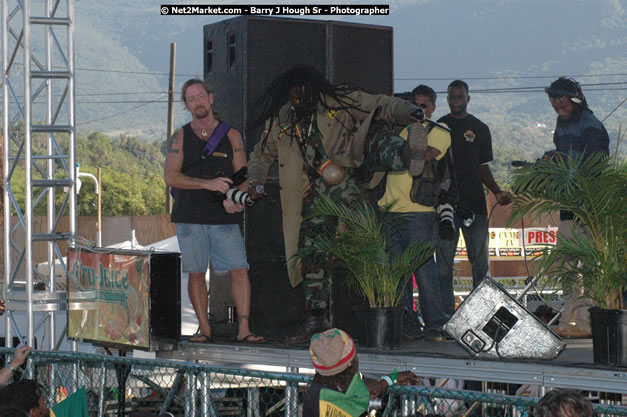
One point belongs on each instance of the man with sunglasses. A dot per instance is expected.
(409, 222)
(578, 134)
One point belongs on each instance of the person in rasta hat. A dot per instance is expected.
(578, 134)
(338, 388)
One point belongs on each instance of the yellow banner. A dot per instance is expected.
(109, 297)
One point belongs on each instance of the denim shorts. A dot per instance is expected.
(220, 243)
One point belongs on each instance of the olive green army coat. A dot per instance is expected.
(343, 140)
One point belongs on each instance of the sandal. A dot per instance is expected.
(251, 338)
(200, 338)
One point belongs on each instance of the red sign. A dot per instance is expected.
(544, 236)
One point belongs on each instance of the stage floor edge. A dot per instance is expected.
(573, 368)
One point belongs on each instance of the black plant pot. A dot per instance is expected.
(381, 327)
(609, 336)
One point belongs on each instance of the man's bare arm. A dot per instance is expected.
(174, 164)
(503, 198)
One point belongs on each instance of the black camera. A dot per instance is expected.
(447, 208)
(418, 114)
(239, 197)
(233, 194)
(547, 156)
(446, 213)
(467, 215)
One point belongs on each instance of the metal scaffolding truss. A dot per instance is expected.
(38, 162)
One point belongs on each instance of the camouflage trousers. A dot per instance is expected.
(383, 153)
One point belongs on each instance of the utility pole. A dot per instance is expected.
(168, 197)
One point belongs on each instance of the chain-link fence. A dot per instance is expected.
(117, 386)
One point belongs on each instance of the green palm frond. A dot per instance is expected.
(361, 251)
(594, 189)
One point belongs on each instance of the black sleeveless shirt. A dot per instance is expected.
(203, 206)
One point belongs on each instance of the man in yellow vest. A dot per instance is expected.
(409, 222)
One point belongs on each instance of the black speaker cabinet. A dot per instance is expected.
(126, 298)
(165, 297)
(244, 54)
(491, 323)
(241, 57)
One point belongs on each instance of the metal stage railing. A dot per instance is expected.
(119, 385)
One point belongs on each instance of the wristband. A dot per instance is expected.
(11, 368)
(388, 380)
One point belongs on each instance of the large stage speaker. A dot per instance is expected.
(241, 57)
(491, 323)
(165, 297)
(244, 54)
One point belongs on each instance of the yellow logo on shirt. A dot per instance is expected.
(470, 136)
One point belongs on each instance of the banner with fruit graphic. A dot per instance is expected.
(108, 295)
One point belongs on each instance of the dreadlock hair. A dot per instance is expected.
(570, 88)
(314, 89)
(341, 380)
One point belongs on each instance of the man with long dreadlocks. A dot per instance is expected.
(328, 139)
(577, 132)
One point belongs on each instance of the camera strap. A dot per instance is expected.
(216, 137)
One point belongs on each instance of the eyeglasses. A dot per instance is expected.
(192, 99)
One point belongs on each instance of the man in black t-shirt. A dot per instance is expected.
(471, 146)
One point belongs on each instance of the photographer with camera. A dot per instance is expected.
(471, 145)
(201, 165)
(413, 220)
(577, 132)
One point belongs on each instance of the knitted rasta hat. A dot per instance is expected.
(331, 351)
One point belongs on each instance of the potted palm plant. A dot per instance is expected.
(361, 253)
(594, 189)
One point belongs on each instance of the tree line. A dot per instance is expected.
(132, 173)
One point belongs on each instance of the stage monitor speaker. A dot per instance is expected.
(491, 323)
(165, 297)
(241, 58)
(276, 307)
